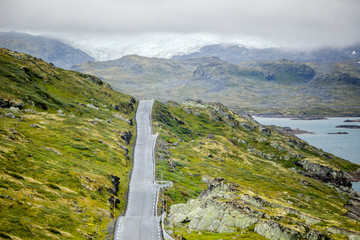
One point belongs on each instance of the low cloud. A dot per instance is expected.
(295, 22)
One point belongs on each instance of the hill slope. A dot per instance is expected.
(278, 87)
(48, 49)
(65, 142)
(234, 178)
(237, 54)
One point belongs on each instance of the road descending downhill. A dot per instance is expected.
(140, 220)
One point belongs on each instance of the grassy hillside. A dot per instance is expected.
(280, 177)
(65, 144)
(277, 87)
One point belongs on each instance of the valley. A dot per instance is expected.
(68, 139)
(180, 120)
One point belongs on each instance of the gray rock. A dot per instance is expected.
(211, 136)
(14, 109)
(205, 179)
(10, 115)
(324, 173)
(275, 231)
(92, 106)
(221, 209)
(266, 131)
(340, 231)
(53, 150)
(261, 139)
(61, 113)
(7, 103)
(354, 237)
(316, 235)
(8, 197)
(247, 126)
(121, 117)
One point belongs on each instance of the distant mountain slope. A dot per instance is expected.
(237, 54)
(48, 49)
(65, 142)
(281, 86)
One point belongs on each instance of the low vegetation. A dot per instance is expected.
(199, 142)
(63, 154)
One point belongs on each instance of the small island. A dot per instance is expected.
(309, 118)
(339, 133)
(352, 120)
(295, 131)
(349, 126)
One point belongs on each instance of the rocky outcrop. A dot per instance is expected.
(353, 206)
(275, 231)
(324, 173)
(333, 79)
(8, 103)
(223, 114)
(115, 182)
(221, 208)
(126, 136)
(208, 214)
(247, 126)
(354, 176)
(114, 201)
(218, 111)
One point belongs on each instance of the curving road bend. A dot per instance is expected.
(140, 221)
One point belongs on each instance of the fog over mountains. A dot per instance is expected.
(49, 49)
(230, 48)
(162, 45)
(267, 79)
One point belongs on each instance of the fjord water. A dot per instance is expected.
(346, 146)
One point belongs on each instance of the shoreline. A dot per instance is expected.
(305, 117)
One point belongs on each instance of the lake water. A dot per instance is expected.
(346, 146)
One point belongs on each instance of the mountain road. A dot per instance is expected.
(140, 220)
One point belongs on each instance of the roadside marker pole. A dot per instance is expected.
(114, 205)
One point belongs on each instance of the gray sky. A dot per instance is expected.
(289, 22)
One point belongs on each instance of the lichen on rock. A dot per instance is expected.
(224, 208)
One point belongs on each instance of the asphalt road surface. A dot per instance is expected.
(140, 221)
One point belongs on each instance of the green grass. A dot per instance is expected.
(199, 155)
(54, 176)
(201, 235)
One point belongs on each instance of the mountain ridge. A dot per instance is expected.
(237, 54)
(48, 49)
(279, 86)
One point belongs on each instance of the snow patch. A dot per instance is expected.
(162, 45)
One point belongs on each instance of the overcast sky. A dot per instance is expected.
(289, 22)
